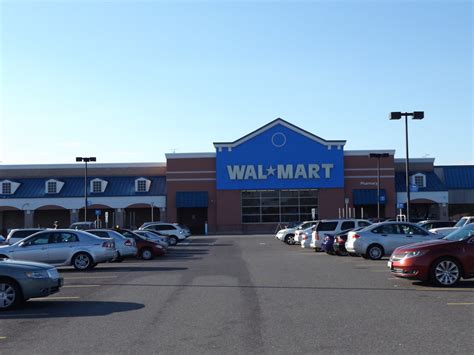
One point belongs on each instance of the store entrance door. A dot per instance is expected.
(193, 217)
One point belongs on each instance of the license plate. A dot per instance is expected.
(389, 264)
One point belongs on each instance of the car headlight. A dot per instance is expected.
(39, 274)
(414, 254)
(53, 273)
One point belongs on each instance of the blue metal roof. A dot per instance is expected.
(368, 197)
(433, 183)
(191, 199)
(458, 177)
(74, 187)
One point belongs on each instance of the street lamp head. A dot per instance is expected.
(395, 115)
(418, 115)
(92, 159)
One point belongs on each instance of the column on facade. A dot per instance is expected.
(119, 217)
(29, 218)
(73, 216)
(162, 214)
(443, 211)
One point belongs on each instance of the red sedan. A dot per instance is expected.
(441, 261)
(146, 249)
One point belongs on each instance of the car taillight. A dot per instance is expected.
(128, 243)
(317, 236)
(108, 245)
(355, 236)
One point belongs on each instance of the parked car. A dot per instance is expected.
(2, 239)
(126, 247)
(303, 236)
(154, 237)
(381, 239)
(333, 226)
(459, 224)
(16, 235)
(340, 239)
(442, 261)
(146, 249)
(287, 235)
(22, 280)
(174, 231)
(62, 247)
(430, 224)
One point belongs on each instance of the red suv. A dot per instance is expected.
(441, 261)
(146, 249)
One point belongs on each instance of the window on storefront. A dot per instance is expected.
(97, 186)
(270, 206)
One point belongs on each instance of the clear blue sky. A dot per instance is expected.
(129, 81)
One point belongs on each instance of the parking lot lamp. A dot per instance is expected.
(85, 160)
(416, 115)
(378, 156)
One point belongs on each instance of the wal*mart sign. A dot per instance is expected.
(279, 158)
(287, 171)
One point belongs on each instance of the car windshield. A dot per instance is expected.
(461, 234)
(461, 222)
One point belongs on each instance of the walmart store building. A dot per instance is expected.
(279, 173)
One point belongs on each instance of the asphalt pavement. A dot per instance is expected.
(242, 295)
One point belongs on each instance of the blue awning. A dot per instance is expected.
(368, 197)
(191, 199)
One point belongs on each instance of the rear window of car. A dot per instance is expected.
(326, 226)
(100, 234)
(347, 225)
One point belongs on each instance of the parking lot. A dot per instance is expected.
(242, 294)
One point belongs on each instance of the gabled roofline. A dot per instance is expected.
(273, 124)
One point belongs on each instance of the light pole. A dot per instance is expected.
(378, 156)
(416, 115)
(152, 205)
(85, 160)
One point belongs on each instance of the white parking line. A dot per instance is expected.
(79, 286)
(3, 338)
(58, 298)
(457, 289)
(90, 277)
(461, 304)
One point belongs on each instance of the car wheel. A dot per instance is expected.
(82, 261)
(342, 253)
(3, 257)
(375, 252)
(118, 258)
(146, 254)
(365, 256)
(290, 239)
(354, 254)
(10, 294)
(173, 240)
(445, 272)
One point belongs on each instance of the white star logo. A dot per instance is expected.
(270, 171)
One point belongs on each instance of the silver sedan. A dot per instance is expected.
(377, 240)
(62, 247)
(126, 247)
